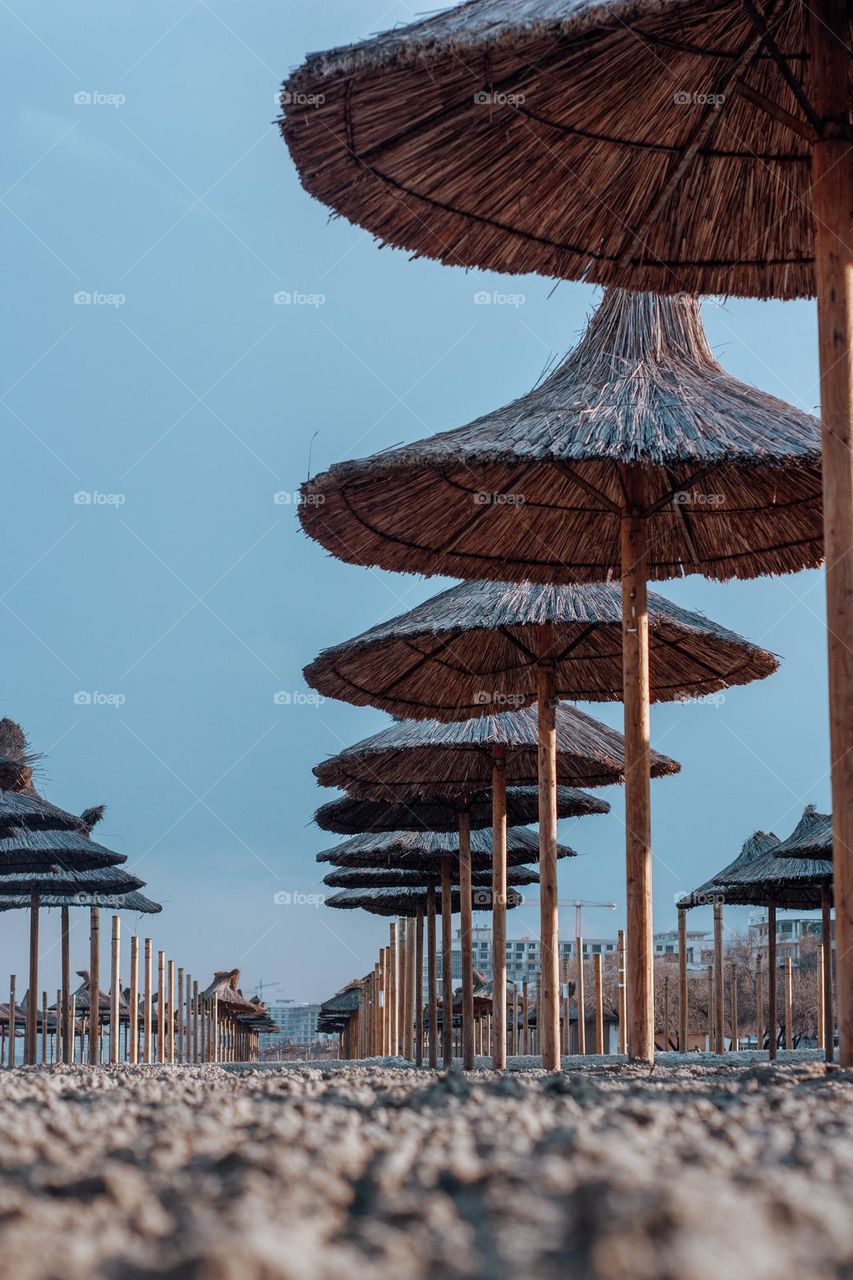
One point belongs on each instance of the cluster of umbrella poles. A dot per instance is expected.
(48, 859)
(652, 145)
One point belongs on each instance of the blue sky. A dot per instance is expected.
(142, 168)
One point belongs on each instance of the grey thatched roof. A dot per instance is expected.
(811, 837)
(618, 141)
(434, 813)
(421, 757)
(406, 878)
(729, 478)
(65, 883)
(33, 852)
(713, 890)
(795, 883)
(476, 645)
(131, 901)
(225, 987)
(405, 902)
(425, 849)
(29, 810)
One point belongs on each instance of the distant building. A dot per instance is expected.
(790, 931)
(522, 955)
(295, 1022)
(699, 947)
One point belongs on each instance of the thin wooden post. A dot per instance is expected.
(115, 990)
(179, 1017)
(65, 951)
(638, 837)
(12, 1017)
(683, 1008)
(133, 1001)
(59, 1037)
(832, 215)
(170, 1031)
(826, 929)
(759, 1004)
(195, 1021)
(772, 997)
(599, 1004)
(665, 1037)
(719, 1002)
(432, 978)
(73, 1031)
(548, 1004)
(466, 940)
(623, 993)
(565, 1004)
(146, 1002)
(447, 961)
(94, 983)
(711, 1008)
(44, 1026)
(821, 1019)
(214, 1021)
(392, 991)
(30, 1041)
(580, 996)
(733, 1008)
(789, 1003)
(525, 1013)
(515, 1026)
(499, 896)
(403, 986)
(411, 936)
(188, 1019)
(419, 987)
(161, 1006)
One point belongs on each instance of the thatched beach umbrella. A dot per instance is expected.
(483, 644)
(812, 838)
(407, 902)
(801, 884)
(560, 744)
(427, 850)
(715, 146)
(407, 878)
(349, 816)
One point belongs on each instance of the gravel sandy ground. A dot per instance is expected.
(609, 1173)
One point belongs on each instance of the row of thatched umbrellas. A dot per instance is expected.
(724, 165)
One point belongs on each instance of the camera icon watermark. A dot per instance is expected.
(489, 98)
(286, 98)
(685, 99)
(297, 698)
(97, 98)
(484, 499)
(97, 298)
(94, 498)
(296, 298)
(287, 898)
(684, 498)
(496, 298)
(293, 497)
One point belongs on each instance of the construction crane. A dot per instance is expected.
(261, 987)
(579, 904)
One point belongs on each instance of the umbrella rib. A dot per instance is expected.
(423, 658)
(591, 489)
(760, 23)
(472, 523)
(678, 486)
(519, 644)
(686, 526)
(773, 110)
(573, 644)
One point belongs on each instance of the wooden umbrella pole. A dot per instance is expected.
(146, 1003)
(410, 986)
(161, 1006)
(446, 962)
(65, 949)
(599, 1004)
(466, 940)
(499, 888)
(548, 1004)
(94, 983)
(682, 981)
(394, 1047)
(12, 1017)
(402, 987)
(432, 978)
(525, 1014)
(623, 1003)
(115, 989)
(195, 1021)
(44, 1026)
(170, 1030)
(832, 207)
(580, 996)
(719, 1004)
(733, 1007)
(179, 1017)
(826, 927)
(772, 998)
(133, 1001)
(821, 1019)
(32, 993)
(789, 1003)
(759, 1005)
(665, 1028)
(419, 987)
(638, 835)
(188, 1019)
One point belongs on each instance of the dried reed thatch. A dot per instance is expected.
(406, 878)
(476, 646)
(424, 850)
(67, 883)
(729, 477)
(82, 995)
(811, 837)
(131, 901)
(434, 813)
(405, 902)
(795, 883)
(633, 142)
(421, 757)
(225, 988)
(713, 890)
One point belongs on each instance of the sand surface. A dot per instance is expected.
(607, 1173)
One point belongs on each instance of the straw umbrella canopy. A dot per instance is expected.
(715, 148)
(638, 456)
(714, 890)
(409, 878)
(349, 816)
(130, 901)
(427, 850)
(407, 902)
(811, 837)
(552, 745)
